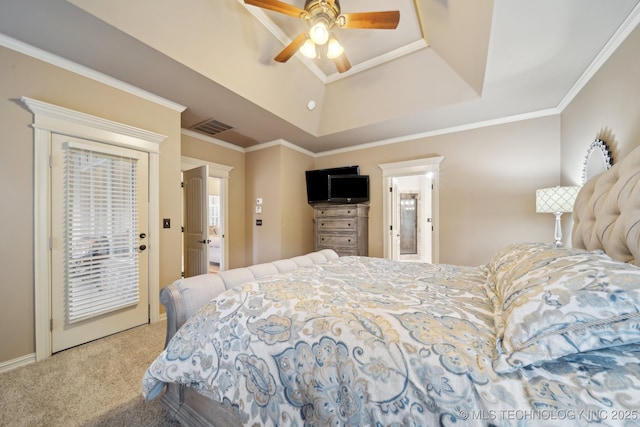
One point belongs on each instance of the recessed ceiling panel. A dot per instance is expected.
(360, 45)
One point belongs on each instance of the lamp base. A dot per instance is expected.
(558, 232)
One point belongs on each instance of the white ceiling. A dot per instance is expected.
(450, 64)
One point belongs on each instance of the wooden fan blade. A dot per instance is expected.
(292, 48)
(372, 20)
(342, 63)
(278, 6)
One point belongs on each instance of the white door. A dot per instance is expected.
(99, 224)
(196, 221)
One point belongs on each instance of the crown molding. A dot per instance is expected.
(444, 131)
(609, 48)
(211, 140)
(281, 142)
(81, 70)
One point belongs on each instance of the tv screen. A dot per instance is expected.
(318, 182)
(348, 188)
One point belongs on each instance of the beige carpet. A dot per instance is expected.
(96, 384)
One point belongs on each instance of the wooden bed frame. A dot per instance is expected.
(606, 216)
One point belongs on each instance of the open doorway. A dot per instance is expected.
(410, 209)
(205, 214)
(214, 221)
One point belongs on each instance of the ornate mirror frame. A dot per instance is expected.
(597, 160)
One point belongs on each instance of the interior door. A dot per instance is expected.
(99, 256)
(196, 221)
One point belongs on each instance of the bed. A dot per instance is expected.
(214, 245)
(540, 335)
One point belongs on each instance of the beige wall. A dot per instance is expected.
(263, 180)
(606, 108)
(487, 185)
(204, 150)
(25, 76)
(297, 219)
(276, 174)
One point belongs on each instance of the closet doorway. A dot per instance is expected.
(205, 213)
(410, 208)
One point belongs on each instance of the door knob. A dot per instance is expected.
(143, 235)
(143, 247)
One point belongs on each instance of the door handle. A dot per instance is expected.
(204, 241)
(143, 235)
(143, 247)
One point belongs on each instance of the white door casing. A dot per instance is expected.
(49, 119)
(429, 165)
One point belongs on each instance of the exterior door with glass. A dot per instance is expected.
(99, 229)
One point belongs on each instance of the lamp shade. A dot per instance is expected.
(556, 199)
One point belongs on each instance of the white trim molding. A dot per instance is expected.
(81, 70)
(216, 170)
(17, 363)
(50, 119)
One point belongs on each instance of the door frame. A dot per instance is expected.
(221, 172)
(49, 119)
(430, 165)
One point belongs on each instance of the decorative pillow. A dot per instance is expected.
(552, 302)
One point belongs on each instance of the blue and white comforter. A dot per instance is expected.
(371, 342)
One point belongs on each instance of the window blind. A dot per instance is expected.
(101, 233)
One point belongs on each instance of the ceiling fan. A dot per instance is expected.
(322, 16)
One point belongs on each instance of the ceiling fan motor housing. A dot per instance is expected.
(322, 10)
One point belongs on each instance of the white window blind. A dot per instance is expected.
(101, 232)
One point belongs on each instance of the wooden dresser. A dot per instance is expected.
(343, 228)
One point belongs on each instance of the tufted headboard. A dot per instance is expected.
(606, 214)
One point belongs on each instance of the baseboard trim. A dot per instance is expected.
(16, 363)
(31, 358)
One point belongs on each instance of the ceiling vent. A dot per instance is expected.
(211, 127)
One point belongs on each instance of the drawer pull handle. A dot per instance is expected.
(349, 225)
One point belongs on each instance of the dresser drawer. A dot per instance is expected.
(333, 240)
(337, 211)
(343, 228)
(336, 224)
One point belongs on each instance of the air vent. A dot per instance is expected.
(211, 127)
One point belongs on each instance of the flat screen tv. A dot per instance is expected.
(348, 188)
(318, 182)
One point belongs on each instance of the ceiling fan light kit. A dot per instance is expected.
(319, 32)
(308, 49)
(334, 48)
(322, 16)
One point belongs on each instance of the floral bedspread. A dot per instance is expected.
(371, 342)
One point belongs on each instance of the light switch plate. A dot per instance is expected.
(258, 209)
(259, 201)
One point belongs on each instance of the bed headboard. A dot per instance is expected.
(606, 214)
